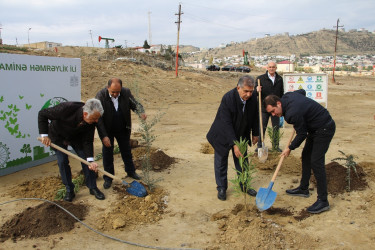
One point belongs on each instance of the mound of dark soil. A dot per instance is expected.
(337, 179)
(158, 159)
(43, 220)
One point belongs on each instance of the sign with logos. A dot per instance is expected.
(315, 85)
(29, 84)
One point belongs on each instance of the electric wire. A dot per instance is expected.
(94, 230)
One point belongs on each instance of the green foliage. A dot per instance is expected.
(349, 164)
(12, 48)
(26, 149)
(275, 135)
(78, 182)
(116, 150)
(244, 178)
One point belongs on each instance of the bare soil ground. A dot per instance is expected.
(183, 211)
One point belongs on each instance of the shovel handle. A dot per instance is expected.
(81, 160)
(260, 113)
(282, 158)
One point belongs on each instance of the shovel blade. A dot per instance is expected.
(263, 154)
(137, 189)
(265, 198)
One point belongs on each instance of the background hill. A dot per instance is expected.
(314, 43)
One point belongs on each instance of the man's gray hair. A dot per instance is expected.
(246, 80)
(92, 105)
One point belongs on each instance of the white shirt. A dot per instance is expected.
(115, 101)
(272, 78)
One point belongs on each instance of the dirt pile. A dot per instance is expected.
(41, 221)
(158, 159)
(129, 211)
(251, 229)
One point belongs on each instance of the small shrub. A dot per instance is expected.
(349, 164)
(275, 135)
(78, 182)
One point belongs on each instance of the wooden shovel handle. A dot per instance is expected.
(282, 158)
(260, 113)
(81, 160)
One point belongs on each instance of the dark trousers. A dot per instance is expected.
(275, 120)
(221, 169)
(313, 158)
(123, 140)
(66, 174)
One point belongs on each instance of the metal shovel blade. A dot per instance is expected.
(263, 153)
(135, 188)
(265, 197)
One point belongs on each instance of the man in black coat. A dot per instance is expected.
(312, 122)
(117, 102)
(271, 83)
(73, 124)
(236, 117)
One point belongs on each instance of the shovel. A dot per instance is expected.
(265, 196)
(262, 152)
(135, 188)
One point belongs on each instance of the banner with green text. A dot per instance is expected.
(29, 84)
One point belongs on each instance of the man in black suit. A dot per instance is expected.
(236, 117)
(117, 102)
(314, 124)
(271, 83)
(73, 124)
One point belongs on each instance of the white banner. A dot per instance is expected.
(29, 84)
(315, 85)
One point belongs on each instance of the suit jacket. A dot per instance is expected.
(126, 102)
(67, 126)
(231, 123)
(268, 88)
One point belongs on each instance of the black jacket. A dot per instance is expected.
(268, 88)
(126, 102)
(306, 115)
(67, 126)
(227, 126)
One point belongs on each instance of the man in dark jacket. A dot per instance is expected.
(236, 117)
(312, 122)
(72, 124)
(117, 102)
(271, 83)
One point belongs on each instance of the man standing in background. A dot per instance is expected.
(271, 83)
(117, 102)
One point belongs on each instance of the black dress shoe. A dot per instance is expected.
(252, 192)
(318, 207)
(107, 184)
(134, 175)
(222, 194)
(98, 195)
(298, 192)
(69, 196)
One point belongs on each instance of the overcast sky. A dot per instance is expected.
(204, 23)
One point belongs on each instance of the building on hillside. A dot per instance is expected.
(42, 45)
(285, 66)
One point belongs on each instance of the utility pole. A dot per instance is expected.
(28, 36)
(149, 29)
(126, 43)
(92, 41)
(334, 59)
(1, 40)
(178, 35)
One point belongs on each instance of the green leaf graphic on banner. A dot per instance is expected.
(19, 135)
(1, 98)
(21, 97)
(10, 106)
(2, 117)
(7, 125)
(28, 107)
(16, 109)
(41, 95)
(12, 120)
(8, 113)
